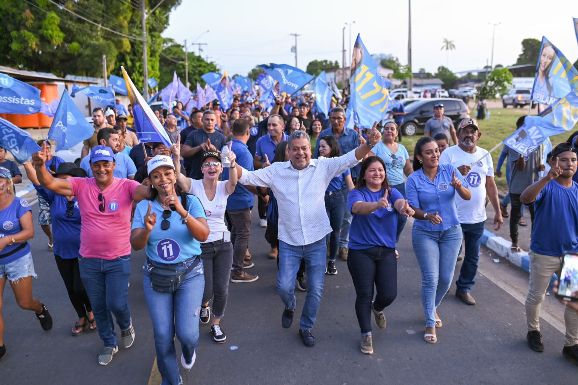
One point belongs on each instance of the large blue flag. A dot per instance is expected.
(17, 97)
(290, 79)
(212, 78)
(147, 126)
(201, 98)
(224, 92)
(555, 75)
(169, 93)
(103, 96)
(69, 127)
(244, 83)
(369, 94)
(17, 141)
(118, 85)
(323, 94)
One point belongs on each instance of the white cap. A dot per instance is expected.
(108, 113)
(159, 161)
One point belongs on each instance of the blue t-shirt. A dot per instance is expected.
(376, 229)
(338, 183)
(124, 166)
(10, 219)
(52, 164)
(176, 244)
(65, 228)
(394, 163)
(437, 196)
(555, 230)
(241, 198)
(266, 145)
(12, 167)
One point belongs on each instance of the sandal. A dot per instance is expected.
(439, 322)
(92, 324)
(515, 249)
(430, 338)
(522, 222)
(79, 328)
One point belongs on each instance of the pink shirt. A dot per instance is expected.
(104, 235)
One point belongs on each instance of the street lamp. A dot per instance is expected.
(349, 24)
(494, 25)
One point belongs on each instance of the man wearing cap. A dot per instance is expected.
(475, 164)
(440, 123)
(200, 141)
(125, 167)
(105, 204)
(555, 233)
(10, 166)
(98, 122)
(129, 137)
(110, 117)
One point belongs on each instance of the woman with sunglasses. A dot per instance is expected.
(169, 226)
(217, 249)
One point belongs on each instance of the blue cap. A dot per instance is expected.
(99, 153)
(5, 173)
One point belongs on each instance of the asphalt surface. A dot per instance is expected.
(482, 344)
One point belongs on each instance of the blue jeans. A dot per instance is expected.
(346, 223)
(473, 239)
(335, 206)
(106, 283)
(401, 219)
(437, 253)
(290, 257)
(178, 313)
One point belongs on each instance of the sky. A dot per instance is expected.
(244, 34)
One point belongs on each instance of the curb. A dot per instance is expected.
(501, 247)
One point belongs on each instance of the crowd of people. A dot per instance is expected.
(323, 191)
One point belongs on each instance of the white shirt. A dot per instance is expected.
(214, 209)
(473, 210)
(300, 195)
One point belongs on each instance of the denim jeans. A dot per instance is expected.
(344, 233)
(401, 219)
(240, 226)
(375, 266)
(106, 283)
(290, 257)
(473, 239)
(335, 203)
(178, 313)
(217, 257)
(437, 253)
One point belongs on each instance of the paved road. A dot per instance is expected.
(483, 344)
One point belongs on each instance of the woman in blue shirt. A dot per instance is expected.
(335, 200)
(173, 277)
(372, 237)
(437, 235)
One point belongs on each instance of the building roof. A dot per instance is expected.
(29, 75)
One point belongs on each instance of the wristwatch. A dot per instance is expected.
(425, 216)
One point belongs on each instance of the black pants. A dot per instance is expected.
(70, 274)
(376, 266)
(516, 214)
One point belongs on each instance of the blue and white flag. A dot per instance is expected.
(118, 85)
(169, 93)
(290, 79)
(49, 109)
(212, 78)
(244, 83)
(17, 141)
(323, 94)
(147, 126)
(17, 97)
(152, 82)
(224, 92)
(555, 75)
(102, 96)
(201, 99)
(210, 94)
(369, 91)
(69, 127)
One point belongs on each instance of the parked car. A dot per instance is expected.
(466, 92)
(420, 111)
(517, 98)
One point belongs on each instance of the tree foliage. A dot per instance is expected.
(497, 82)
(173, 59)
(255, 72)
(315, 67)
(529, 55)
(399, 71)
(446, 76)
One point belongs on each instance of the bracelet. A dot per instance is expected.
(12, 241)
(425, 216)
(185, 219)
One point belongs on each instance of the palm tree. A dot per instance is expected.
(448, 45)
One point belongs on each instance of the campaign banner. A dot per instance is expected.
(323, 93)
(17, 97)
(212, 78)
(289, 79)
(17, 141)
(118, 85)
(69, 127)
(103, 96)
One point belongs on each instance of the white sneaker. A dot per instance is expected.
(263, 222)
(184, 362)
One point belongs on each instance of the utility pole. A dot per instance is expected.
(410, 80)
(494, 25)
(199, 45)
(104, 74)
(295, 35)
(186, 66)
(343, 47)
(144, 50)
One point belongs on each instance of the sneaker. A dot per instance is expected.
(45, 318)
(331, 269)
(569, 352)
(273, 253)
(243, 276)
(188, 366)
(247, 264)
(534, 338)
(205, 314)
(380, 319)
(127, 337)
(263, 223)
(307, 338)
(106, 355)
(366, 345)
(217, 333)
(2, 351)
(50, 245)
(287, 318)
(343, 252)
(301, 283)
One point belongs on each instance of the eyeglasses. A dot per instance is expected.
(101, 205)
(165, 224)
(69, 209)
(211, 164)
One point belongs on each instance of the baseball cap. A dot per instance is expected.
(562, 147)
(71, 169)
(5, 173)
(108, 113)
(159, 161)
(99, 153)
(439, 105)
(468, 122)
(121, 116)
(210, 154)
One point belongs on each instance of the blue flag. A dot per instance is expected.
(118, 85)
(147, 126)
(103, 96)
(17, 97)
(244, 83)
(17, 141)
(290, 79)
(169, 93)
(369, 91)
(555, 75)
(224, 93)
(152, 82)
(212, 78)
(210, 94)
(49, 109)
(323, 94)
(69, 127)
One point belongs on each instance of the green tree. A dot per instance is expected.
(315, 67)
(255, 72)
(497, 82)
(399, 71)
(172, 59)
(529, 55)
(446, 76)
(448, 45)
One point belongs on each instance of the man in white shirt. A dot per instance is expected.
(476, 165)
(299, 186)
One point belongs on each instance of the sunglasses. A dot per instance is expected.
(101, 205)
(211, 164)
(69, 209)
(165, 224)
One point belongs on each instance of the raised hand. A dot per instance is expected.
(210, 147)
(231, 155)
(383, 202)
(266, 162)
(150, 218)
(555, 170)
(39, 158)
(374, 136)
(455, 181)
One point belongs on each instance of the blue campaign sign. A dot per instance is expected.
(289, 78)
(69, 127)
(17, 97)
(104, 96)
(243, 82)
(118, 85)
(17, 141)
(211, 78)
(323, 93)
